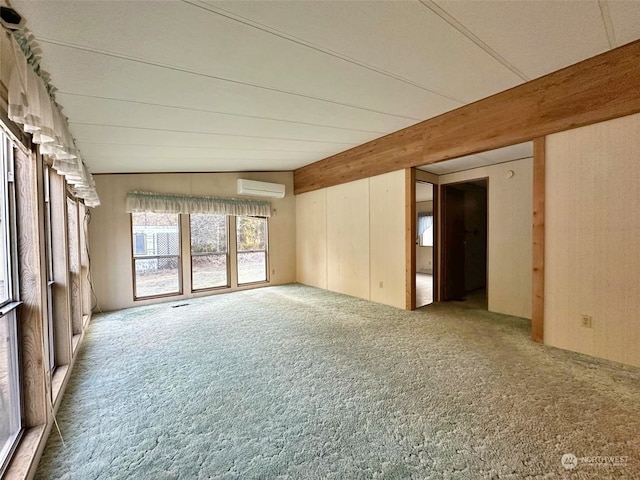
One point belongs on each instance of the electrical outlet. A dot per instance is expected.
(381, 285)
(587, 321)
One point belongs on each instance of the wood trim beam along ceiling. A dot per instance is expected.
(597, 89)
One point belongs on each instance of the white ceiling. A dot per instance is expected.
(200, 85)
(492, 157)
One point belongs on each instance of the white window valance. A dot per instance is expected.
(168, 203)
(32, 105)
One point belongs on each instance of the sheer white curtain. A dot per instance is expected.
(425, 229)
(167, 203)
(31, 105)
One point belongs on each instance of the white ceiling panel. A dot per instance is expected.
(484, 159)
(142, 151)
(200, 85)
(405, 39)
(230, 50)
(537, 36)
(109, 77)
(127, 135)
(168, 165)
(625, 17)
(127, 114)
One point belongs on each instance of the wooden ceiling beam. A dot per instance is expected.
(597, 89)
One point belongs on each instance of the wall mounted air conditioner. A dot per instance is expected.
(260, 189)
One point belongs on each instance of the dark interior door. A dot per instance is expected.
(453, 245)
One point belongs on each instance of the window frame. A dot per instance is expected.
(48, 257)
(227, 254)
(9, 307)
(266, 252)
(179, 257)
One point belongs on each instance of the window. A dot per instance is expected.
(209, 251)
(425, 229)
(10, 410)
(156, 258)
(251, 240)
(49, 267)
(73, 246)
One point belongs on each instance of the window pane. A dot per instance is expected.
(208, 251)
(252, 267)
(4, 284)
(251, 234)
(209, 271)
(4, 257)
(156, 241)
(9, 387)
(49, 261)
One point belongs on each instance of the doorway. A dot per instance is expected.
(464, 242)
(425, 237)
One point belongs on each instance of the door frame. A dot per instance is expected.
(411, 221)
(442, 246)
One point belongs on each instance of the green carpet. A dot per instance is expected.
(296, 382)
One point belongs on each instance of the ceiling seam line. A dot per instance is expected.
(298, 41)
(198, 158)
(221, 79)
(216, 113)
(206, 133)
(451, 20)
(605, 13)
(197, 147)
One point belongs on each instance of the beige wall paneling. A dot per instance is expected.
(510, 233)
(32, 280)
(352, 237)
(592, 244)
(311, 238)
(348, 239)
(386, 239)
(110, 229)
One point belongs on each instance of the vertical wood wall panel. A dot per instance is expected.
(537, 308)
(31, 312)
